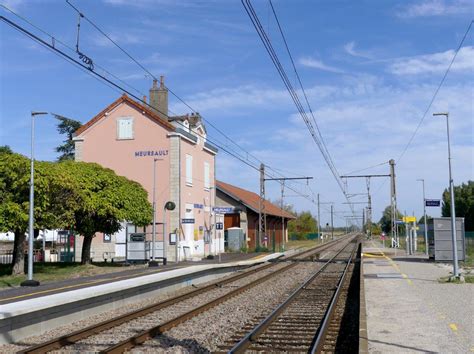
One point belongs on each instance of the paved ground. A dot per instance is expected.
(409, 310)
(22, 293)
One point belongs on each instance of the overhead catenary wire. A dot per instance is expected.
(110, 83)
(149, 73)
(433, 98)
(293, 94)
(247, 154)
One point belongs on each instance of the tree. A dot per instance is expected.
(67, 126)
(304, 224)
(51, 208)
(5, 149)
(104, 201)
(286, 207)
(386, 220)
(464, 203)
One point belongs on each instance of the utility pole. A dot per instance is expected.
(393, 205)
(262, 217)
(453, 209)
(332, 222)
(424, 216)
(282, 179)
(319, 220)
(369, 208)
(282, 217)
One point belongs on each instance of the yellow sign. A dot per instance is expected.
(409, 218)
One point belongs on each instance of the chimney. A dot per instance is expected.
(159, 98)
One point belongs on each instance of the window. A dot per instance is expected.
(207, 184)
(125, 128)
(189, 170)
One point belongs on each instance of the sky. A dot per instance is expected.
(370, 69)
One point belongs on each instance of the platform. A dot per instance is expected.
(8, 295)
(43, 309)
(409, 309)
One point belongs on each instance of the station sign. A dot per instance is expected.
(432, 202)
(223, 210)
(187, 221)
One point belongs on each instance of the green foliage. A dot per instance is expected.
(261, 249)
(104, 200)
(464, 203)
(386, 220)
(5, 149)
(67, 126)
(376, 229)
(82, 195)
(304, 224)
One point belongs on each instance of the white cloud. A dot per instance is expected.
(318, 64)
(349, 48)
(436, 8)
(435, 63)
(12, 4)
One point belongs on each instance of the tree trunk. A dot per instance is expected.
(18, 261)
(86, 250)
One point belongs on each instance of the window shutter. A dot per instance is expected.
(189, 169)
(206, 176)
(125, 128)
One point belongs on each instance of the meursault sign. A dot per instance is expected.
(153, 153)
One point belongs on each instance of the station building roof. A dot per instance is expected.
(251, 200)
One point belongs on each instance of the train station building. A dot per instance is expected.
(240, 208)
(138, 142)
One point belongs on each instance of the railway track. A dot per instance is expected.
(176, 310)
(305, 321)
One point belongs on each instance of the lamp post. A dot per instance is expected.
(453, 209)
(424, 215)
(168, 206)
(153, 263)
(30, 281)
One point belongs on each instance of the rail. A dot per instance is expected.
(71, 338)
(247, 341)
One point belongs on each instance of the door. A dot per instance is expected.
(188, 226)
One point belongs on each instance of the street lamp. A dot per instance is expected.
(451, 192)
(168, 206)
(424, 215)
(153, 240)
(30, 281)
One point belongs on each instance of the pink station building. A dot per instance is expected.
(127, 137)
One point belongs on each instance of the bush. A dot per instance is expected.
(261, 249)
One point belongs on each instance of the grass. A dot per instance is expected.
(469, 261)
(49, 272)
(301, 243)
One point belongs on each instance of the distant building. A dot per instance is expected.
(240, 208)
(126, 137)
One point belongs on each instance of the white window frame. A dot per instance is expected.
(132, 132)
(189, 170)
(207, 176)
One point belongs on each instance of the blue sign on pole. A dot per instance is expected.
(432, 202)
(223, 210)
(187, 221)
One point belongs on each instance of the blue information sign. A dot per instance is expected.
(432, 202)
(187, 221)
(223, 210)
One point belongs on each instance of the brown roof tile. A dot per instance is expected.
(125, 99)
(251, 200)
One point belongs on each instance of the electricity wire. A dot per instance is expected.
(108, 82)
